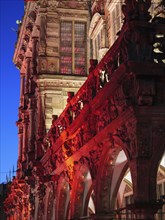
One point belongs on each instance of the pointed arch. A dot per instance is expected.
(50, 201)
(62, 198)
(113, 166)
(80, 191)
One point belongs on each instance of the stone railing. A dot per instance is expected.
(99, 75)
(135, 43)
(101, 100)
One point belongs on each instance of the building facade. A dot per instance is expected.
(91, 134)
(3, 195)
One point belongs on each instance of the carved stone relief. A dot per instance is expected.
(52, 5)
(73, 4)
(43, 65)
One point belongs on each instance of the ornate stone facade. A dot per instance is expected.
(74, 163)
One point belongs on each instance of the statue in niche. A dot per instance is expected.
(80, 137)
(91, 88)
(129, 10)
(87, 133)
(60, 157)
(110, 68)
(32, 85)
(100, 122)
(136, 10)
(76, 109)
(53, 134)
(143, 7)
(120, 100)
(113, 109)
(92, 124)
(68, 116)
(106, 115)
(137, 44)
(67, 148)
(75, 143)
(70, 96)
(102, 78)
(84, 97)
(122, 133)
(93, 64)
(53, 160)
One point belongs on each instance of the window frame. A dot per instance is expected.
(73, 53)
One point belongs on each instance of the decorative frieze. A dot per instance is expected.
(82, 5)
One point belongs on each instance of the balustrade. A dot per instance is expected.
(136, 43)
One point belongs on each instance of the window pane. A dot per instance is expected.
(80, 48)
(73, 63)
(66, 47)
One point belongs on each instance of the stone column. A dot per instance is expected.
(144, 184)
(20, 145)
(31, 130)
(104, 37)
(20, 142)
(40, 117)
(27, 75)
(40, 130)
(25, 136)
(146, 210)
(41, 24)
(34, 55)
(144, 162)
(28, 69)
(22, 86)
(31, 144)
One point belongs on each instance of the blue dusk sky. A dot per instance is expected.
(10, 11)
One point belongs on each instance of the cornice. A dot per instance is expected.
(60, 77)
(72, 13)
(55, 82)
(74, 4)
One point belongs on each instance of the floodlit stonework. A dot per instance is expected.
(91, 123)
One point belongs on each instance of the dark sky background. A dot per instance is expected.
(10, 11)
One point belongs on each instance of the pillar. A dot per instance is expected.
(34, 55)
(22, 86)
(144, 162)
(40, 116)
(25, 136)
(32, 130)
(20, 142)
(28, 60)
(145, 205)
(144, 210)
(40, 130)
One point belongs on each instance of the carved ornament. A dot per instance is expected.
(74, 4)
